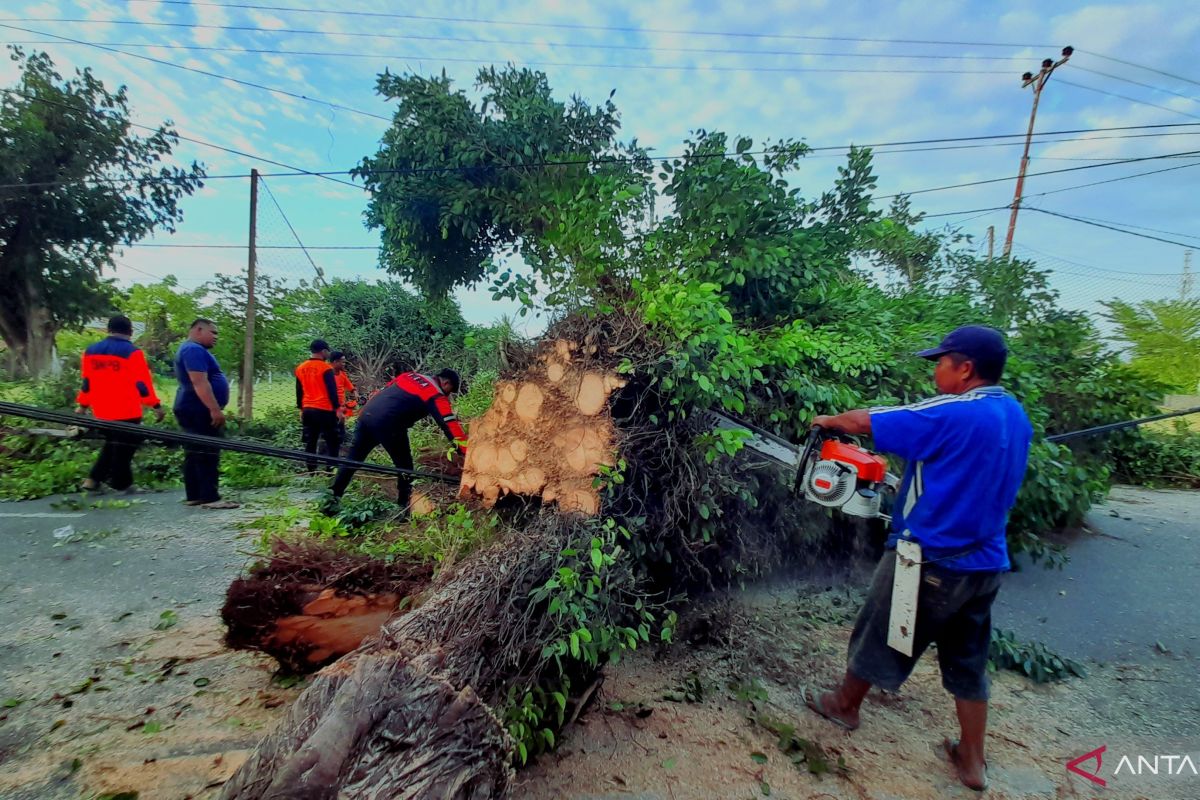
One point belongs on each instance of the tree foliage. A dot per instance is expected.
(1162, 338)
(78, 184)
(166, 309)
(385, 329)
(457, 184)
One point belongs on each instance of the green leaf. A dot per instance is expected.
(758, 757)
(167, 619)
(670, 763)
(151, 727)
(574, 645)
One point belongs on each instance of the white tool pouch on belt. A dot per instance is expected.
(906, 585)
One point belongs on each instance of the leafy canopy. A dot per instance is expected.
(78, 183)
(456, 184)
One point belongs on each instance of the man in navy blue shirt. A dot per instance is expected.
(200, 401)
(965, 452)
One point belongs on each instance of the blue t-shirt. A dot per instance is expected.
(966, 457)
(192, 357)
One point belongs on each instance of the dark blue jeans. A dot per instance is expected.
(201, 465)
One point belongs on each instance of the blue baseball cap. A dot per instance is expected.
(981, 344)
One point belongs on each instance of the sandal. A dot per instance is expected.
(221, 504)
(813, 701)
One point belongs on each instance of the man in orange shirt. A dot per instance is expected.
(116, 386)
(347, 394)
(317, 399)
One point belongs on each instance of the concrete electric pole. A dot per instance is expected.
(1038, 82)
(247, 376)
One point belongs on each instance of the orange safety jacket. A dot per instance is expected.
(417, 396)
(116, 380)
(347, 399)
(315, 386)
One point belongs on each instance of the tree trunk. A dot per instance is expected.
(405, 716)
(31, 346)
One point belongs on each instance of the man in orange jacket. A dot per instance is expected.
(317, 399)
(116, 386)
(388, 415)
(347, 394)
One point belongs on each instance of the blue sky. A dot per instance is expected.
(770, 87)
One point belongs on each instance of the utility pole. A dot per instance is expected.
(251, 270)
(991, 241)
(1186, 283)
(1038, 82)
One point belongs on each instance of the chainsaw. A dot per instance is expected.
(831, 470)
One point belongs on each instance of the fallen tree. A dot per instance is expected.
(744, 298)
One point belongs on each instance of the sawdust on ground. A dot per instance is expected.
(761, 650)
(170, 717)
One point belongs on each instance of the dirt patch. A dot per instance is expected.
(743, 671)
(170, 716)
(309, 604)
(545, 435)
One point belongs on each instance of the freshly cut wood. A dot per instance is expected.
(308, 605)
(546, 435)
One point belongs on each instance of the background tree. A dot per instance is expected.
(1162, 338)
(166, 310)
(284, 322)
(79, 184)
(386, 329)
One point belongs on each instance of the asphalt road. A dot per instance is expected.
(1129, 593)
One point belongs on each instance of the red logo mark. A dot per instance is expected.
(1094, 777)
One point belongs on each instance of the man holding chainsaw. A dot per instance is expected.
(965, 452)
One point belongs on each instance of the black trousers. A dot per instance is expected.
(367, 436)
(114, 465)
(201, 465)
(317, 424)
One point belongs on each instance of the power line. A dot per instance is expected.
(1137, 83)
(219, 76)
(296, 236)
(1141, 66)
(1065, 188)
(1110, 227)
(298, 172)
(577, 26)
(629, 160)
(1053, 257)
(1143, 228)
(1035, 174)
(197, 246)
(568, 64)
(507, 42)
(631, 29)
(1127, 98)
(1116, 180)
(184, 138)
